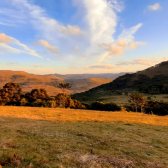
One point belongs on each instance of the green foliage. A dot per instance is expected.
(105, 106)
(136, 100)
(11, 94)
(156, 107)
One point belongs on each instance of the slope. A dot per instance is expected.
(49, 82)
(153, 80)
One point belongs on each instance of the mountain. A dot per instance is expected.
(30, 81)
(81, 76)
(49, 82)
(153, 80)
(81, 85)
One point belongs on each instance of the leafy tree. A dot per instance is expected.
(11, 93)
(36, 94)
(64, 86)
(136, 100)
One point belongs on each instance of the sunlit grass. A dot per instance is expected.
(65, 138)
(58, 114)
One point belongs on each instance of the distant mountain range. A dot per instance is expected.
(153, 80)
(81, 76)
(79, 83)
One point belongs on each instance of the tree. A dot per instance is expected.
(11, 93)
(64, 86)
(137, 99)
(36, 94)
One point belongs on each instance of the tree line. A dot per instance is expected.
(12, 94)
(138, 103)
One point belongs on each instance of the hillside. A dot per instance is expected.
(47, 137)
(153, 80)
(81, 85)
(49, 82)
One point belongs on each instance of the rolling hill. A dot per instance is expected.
(153, 80)
(49, 82)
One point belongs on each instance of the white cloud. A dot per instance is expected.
(143, 61)
(6, 48)
(127, 34)
(134, 44)
(34, 15)
(50, 48)
(71, 30)
(154, 7)
(124, 42)
(121, 43)
(101, 19)
(5, 39)
(106, 66)
(76, 48)
(101, 59)
(7, 24)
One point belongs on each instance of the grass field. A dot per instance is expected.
(51, 138)
(121, 99)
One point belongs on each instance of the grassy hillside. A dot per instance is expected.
(39, 137)
(49, 82)
(153, 80)
(81, 85)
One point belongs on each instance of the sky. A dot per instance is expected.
(82, 36)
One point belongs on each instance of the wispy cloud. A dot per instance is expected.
(154, 7)
(102, 19)
(106, 66)
(5, 39)
(36, 66)
(11, 63)
(143, 61)
(50, 48)
(7, 48)
(127, 34)
(71, 30)
(124, 42)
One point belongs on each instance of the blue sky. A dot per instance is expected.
(82, 36)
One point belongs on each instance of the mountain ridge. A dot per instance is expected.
(153, 80)
(49, 82)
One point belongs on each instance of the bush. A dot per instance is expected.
(156, 107)
(105, 106)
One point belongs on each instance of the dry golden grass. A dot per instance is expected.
(101, 80)
(40, 137)
(63, 115)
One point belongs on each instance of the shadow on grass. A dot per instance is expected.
(36, 143)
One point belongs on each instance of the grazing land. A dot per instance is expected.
(44, 137)
(107, 97)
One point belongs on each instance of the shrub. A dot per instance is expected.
(105, 107)
(156, 107)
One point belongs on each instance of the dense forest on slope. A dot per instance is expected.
(153, 80)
